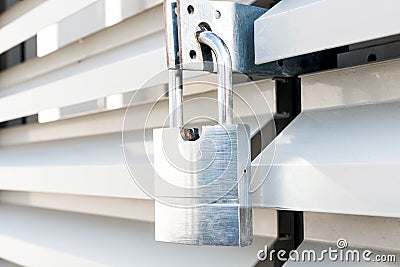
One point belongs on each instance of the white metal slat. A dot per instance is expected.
(313, 26)
(145, 23)
(4, 263)
(100, 15)
(18, 11)
(89, 79)
(264, 220)
(24, 26)
(372, 83)
(339, 152)
(82, 166)
(123, 208)
(38, 237)
(334, 160)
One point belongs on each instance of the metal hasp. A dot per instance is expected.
(235, 24)
(232, 22)
(202, 182)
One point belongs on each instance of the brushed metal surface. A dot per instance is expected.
(171, 33)
(232, 22)
(213, 166)
(224, 67)
(219, 224)
(202, 186)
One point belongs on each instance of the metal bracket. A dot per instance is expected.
(232, 22)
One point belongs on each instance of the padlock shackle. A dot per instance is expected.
(224, 69)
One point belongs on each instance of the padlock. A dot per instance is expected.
(202, 181)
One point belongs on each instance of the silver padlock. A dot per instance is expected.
(202, 182)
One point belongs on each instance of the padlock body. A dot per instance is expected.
(202, 187)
